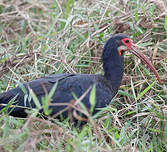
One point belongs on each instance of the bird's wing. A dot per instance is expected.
(35, 85)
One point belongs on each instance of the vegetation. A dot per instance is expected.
(57, 36)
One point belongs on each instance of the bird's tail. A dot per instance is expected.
(5, 99)
(8, 104)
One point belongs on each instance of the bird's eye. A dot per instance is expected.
(126, 41)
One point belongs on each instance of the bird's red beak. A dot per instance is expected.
(146, 61)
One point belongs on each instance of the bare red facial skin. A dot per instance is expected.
(127, 42)
(146, 61)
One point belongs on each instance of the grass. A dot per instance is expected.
(47, 37)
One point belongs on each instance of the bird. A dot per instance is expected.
(71, 87)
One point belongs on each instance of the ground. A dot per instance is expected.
(57, 36)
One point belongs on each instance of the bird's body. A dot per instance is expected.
(76, 84)
(67, 84)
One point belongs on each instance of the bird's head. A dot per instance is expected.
(118, 44)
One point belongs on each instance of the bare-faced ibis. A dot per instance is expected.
(72, 86)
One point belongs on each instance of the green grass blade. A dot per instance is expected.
(125, 94)
(145, 91)
(8, 105)
(133, 90)
(165, 24)
(21, 86)
(45, 105)
(92, 97)
(35, 99)
(52, 91)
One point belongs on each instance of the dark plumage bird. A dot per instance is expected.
(69, 84)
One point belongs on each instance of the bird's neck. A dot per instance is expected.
(113, 71)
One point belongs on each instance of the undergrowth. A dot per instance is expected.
(45, 37)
